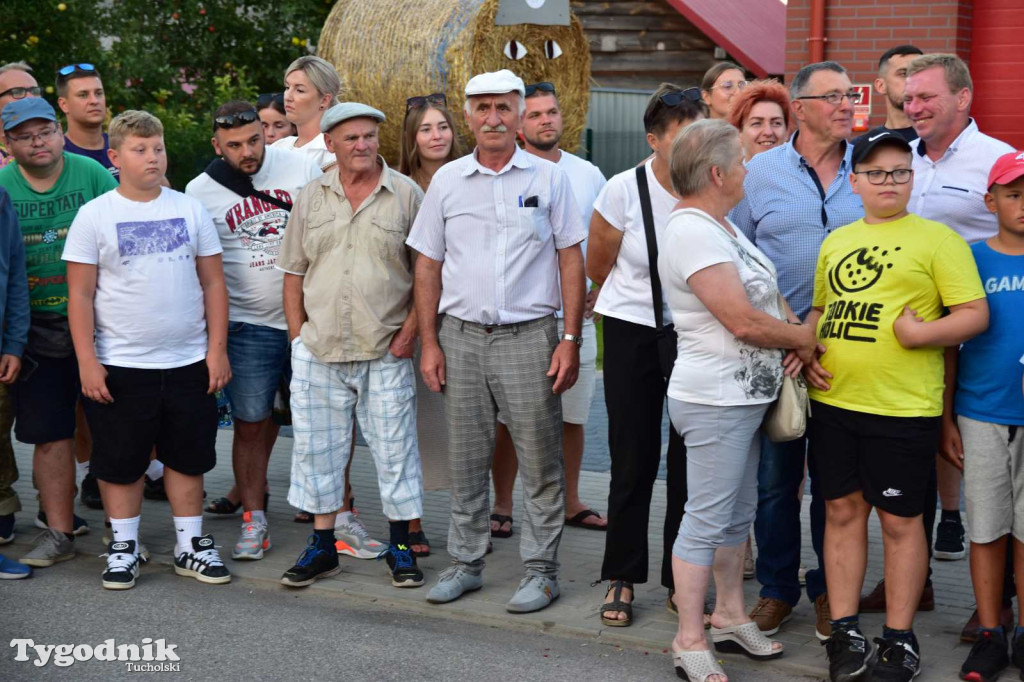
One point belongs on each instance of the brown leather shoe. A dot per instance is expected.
(875, 601)
(823, 625)
(770, 614)
(970, 632)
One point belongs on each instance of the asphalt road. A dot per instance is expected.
(254, 631)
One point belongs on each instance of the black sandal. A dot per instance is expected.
(222, 506)
(418, 537)
(502, 520)
(618, 605)
(303, 517)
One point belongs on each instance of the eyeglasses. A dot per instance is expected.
(43, 136)
(900, 176)
(730, 85)
(267, 98)
(21, 93)
(71, 68)
(674, 99)
(234, 120)
(835, 98)
(422, 100)
(544, 86)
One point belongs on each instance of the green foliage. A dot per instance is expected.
(178, 59)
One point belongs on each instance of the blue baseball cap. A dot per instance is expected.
(21, 110)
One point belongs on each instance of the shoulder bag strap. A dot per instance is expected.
(240, 184)
(652, 244)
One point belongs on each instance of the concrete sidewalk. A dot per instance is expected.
(574, 614)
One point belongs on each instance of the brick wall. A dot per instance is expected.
(859, 31)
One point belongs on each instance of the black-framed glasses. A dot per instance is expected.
(836, 98)
(268, 98)
(543, 86)
(674, 99)
(729, 85)
(22, 93)
(900, 176)
(71, 68)
(235, 120)
(42, 136)
(422, 100)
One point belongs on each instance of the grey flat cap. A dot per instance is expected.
(343, 111)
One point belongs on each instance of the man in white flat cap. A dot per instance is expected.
(499, 242)
(348, 281)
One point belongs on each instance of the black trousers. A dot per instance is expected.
(634, 392)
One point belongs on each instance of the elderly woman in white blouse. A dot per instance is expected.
(733, 330)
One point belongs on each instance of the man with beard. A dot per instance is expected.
(541, 133)
(249, 192)
(892, 79)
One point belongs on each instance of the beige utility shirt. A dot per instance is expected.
(356, 269)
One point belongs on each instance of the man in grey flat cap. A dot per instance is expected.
(499, 242)
(348, 304)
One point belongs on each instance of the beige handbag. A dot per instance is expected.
(786, 419)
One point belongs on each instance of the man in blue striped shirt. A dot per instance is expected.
(796, 194)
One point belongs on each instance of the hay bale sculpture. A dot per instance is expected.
(389, 50)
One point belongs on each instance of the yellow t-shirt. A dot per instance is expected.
(865, 275)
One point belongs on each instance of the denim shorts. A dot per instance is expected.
(260, 363)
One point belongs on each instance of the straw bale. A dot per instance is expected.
(389, 50)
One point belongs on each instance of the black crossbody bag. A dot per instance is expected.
(665, 336)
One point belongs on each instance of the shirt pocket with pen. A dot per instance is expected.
(534, 221)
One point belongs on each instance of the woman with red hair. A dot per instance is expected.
(761, 113)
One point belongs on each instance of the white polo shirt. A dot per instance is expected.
(952, 189)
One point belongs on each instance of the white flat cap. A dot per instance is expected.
(343, 111)
(495, 83)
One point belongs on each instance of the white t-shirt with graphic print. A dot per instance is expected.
(713, 367)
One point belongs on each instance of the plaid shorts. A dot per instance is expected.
(326, 396)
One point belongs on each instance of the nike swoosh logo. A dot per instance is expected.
(872, 139)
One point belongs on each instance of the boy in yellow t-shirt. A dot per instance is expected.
(880, 289)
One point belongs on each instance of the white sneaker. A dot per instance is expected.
(353, 539)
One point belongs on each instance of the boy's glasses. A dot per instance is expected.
(900, 176)
(267, 98)
(422, 100)
(544, 86)
(235, 120)
(71, 68)
(21, 93)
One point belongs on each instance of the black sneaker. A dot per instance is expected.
(402, 563)
(90, 492)
(896, 662)
(314, 563)
(987, 659)
(202, 563)
(122, 566)
(79, 526)
(1017, 650)
(847, 650)
(153, 489)
(949, 541)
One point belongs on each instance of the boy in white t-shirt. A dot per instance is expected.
(148, 310)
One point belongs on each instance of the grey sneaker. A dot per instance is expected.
(354, 540)
(51, 547)
(535, 592)
(453, 582)
(141, 550)
(254, 540)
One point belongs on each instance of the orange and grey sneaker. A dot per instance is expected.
(254, 540)
(352, 538)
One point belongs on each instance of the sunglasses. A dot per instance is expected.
(422, 100)
(543, 87)
(236, 120)
(267, 98)
(674, 99)
(71, 68)
(21, 93)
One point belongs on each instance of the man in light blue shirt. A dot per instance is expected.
(796, 194)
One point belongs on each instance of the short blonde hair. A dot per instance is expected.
(697, 149)
(321, 73)
(958, 76)
(133, 123)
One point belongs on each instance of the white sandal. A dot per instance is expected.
(696, 666)
(746, 639)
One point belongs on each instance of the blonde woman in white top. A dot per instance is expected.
(311, 87)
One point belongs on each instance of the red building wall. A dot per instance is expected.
(997, 68)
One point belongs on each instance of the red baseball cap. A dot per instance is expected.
(1006, 169)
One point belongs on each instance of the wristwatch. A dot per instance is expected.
(578, 340)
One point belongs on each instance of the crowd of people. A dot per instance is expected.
(447, 307)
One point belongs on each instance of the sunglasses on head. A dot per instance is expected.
(422, 100)
(235, 120)
(267, 98)
(21, 93)
(71, 68)
(674, 99)
(544, 86)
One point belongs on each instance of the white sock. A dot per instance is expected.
(186, 528)
(259, 516)
(345, 517)
(155, 470)
(125, 530)
(81, 471)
